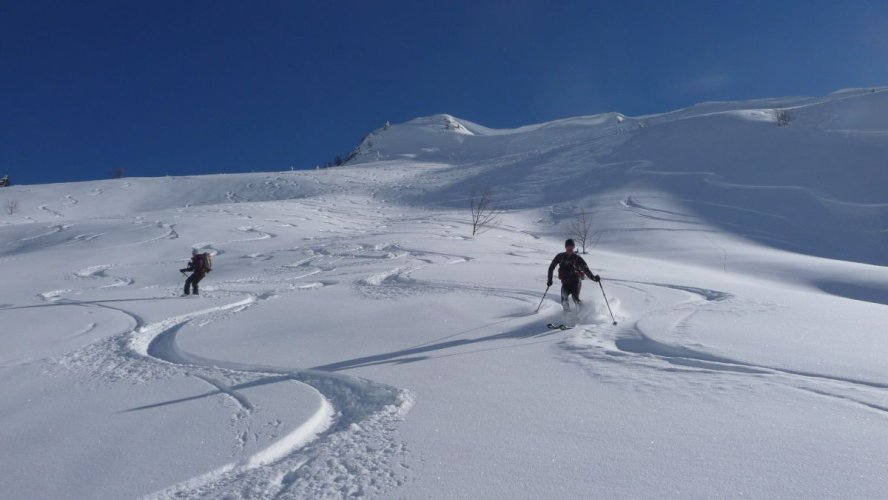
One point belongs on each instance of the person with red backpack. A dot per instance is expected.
(571, 270)
(199, 266)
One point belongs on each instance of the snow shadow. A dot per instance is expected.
(424, 352)
(856, 291)
(71, 302)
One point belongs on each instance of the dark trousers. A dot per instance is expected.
(570, 288)
(193, 280)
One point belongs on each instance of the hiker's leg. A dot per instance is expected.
(188, 284)
(565, 297)
(197, 277)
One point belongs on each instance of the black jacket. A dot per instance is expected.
(196, 264)
(569, 267)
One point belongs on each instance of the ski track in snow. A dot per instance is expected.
(259, 234)
(54, 213)
(57, 228)
(326, 455)
(171, 233)
(343, 447)
(631, 347)
(101, 272)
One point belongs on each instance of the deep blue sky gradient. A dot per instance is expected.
(199, 86)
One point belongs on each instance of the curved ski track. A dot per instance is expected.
(630, 346)
(340, 450)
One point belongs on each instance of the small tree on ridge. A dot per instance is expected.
(581, 228)
(484, 215)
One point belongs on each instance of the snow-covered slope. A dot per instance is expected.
(354, 339)
(815, 186)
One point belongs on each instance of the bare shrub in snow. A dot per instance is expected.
(581, 229)
(783, 117)
(451, 124)
(484, 215)
(12, 206)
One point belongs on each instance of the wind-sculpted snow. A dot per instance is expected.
(730, 166)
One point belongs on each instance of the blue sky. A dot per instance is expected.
(190, 87)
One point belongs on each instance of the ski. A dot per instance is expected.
(553, 326)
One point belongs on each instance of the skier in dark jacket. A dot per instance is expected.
(198, 269)
(571, 268)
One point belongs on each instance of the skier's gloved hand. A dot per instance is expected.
(596, 278)
(182, 270)
(549, 283)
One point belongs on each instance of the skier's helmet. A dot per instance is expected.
(569, 243)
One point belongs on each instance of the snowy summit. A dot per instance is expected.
(354, 339)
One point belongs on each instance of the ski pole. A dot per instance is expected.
(606, 302)
(541, 300)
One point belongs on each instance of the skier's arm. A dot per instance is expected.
(555, 262)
